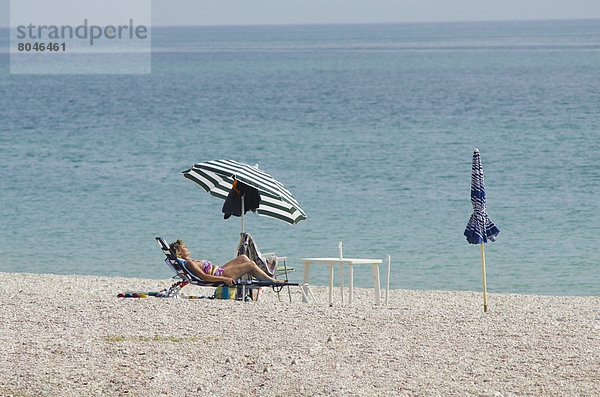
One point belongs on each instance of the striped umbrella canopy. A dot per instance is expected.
(480, 227)
(217, 176)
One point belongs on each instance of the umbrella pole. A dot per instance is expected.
(485, 307)
(342, 275)
(243, 213)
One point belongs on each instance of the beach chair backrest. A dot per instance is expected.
(171, 260)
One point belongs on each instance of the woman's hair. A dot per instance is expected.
(176, 247)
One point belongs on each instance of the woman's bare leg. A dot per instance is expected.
(241, 265)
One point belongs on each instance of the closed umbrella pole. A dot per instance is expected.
(485, 307)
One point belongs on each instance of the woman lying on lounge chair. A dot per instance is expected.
(227, 273)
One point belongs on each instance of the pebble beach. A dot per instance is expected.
(72, 336)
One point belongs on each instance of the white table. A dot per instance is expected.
(344, 261)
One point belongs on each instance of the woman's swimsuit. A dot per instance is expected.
(207, 267)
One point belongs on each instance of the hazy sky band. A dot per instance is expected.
(269, 12)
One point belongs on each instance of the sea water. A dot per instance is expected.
(371, 127)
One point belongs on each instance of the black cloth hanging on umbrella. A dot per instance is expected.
(233, 202)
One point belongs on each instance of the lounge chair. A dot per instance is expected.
(187, 277)
(268, 262)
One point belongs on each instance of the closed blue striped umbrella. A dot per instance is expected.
(480, 228)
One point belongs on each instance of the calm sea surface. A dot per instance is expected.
(372, 128)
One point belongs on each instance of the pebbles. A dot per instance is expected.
(72, 336)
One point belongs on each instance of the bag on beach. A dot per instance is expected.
(226, 293)
(235, 293)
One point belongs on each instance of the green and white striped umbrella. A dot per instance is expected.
(216, 177)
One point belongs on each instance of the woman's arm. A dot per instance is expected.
(217, 279)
